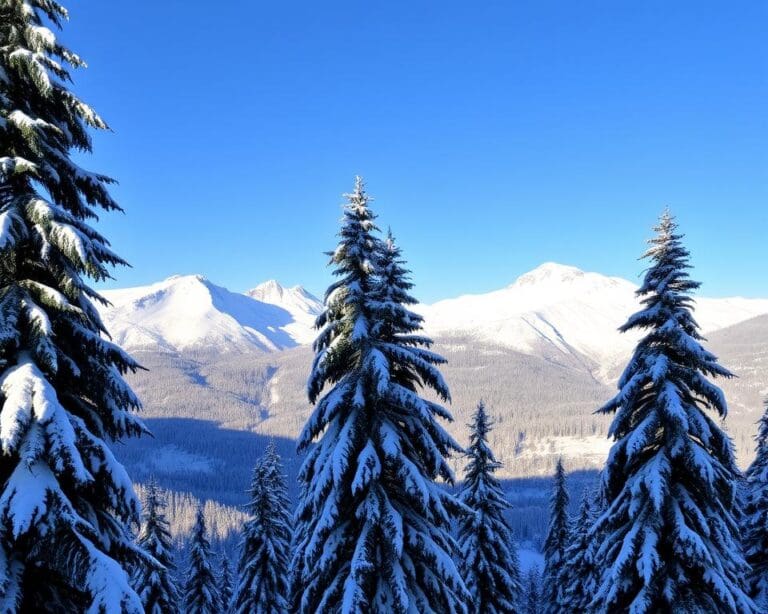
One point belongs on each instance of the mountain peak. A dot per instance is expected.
(182, 278)
(270, 289)
(549, 272)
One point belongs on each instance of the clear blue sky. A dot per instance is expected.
(493, 135)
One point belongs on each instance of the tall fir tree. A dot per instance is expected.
(374, 524)
(670, 528)
(532, 592)
(263, 569)
(225, 583)
(201, 591)
(756, 518)
(155, 583)
(557, 541)
(578, 577)
(66, 504)
(489, 560)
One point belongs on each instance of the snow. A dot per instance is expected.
(295, 298)
(591, 450)
(171, 459)
(552, 308)
(530, 559)
(189, 312)
(571, 311)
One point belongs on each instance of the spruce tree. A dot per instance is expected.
(201, 592)
(374, 525)
(489, 560)
(263, 569)
(557, 540)
(225, 583)
(756, 518)
(532, 595)
(578, 578)
(66, 504)
(155, 583)
(670, 529)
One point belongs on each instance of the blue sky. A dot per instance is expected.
(493, 135)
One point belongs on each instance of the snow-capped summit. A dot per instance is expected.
(188, 312)
(558, 309)
(270, 289)
(295, 299)
(550, 272)
(553, 274)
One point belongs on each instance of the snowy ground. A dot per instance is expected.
(530, 558)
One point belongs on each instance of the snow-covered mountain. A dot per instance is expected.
(304, 306)
(555, 311)
(561, 310)
(189, 312)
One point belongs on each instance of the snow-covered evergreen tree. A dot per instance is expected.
(155, 582)
(557, 540)
(263, 570)
(201, 591)
(755, 537)
(225, 583)
(489, 560)
(578, 576)
(670, 528)
(374, 525)
(532, 593)
(66, 503)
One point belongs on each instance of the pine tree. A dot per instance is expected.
(374, 526)
(201, 593)
(263, 568)
(532, 597)
(555, 544)
(578, 578)
(155, 583)
(225, 584)
(756, 518)
(489, 560)
(66, 503)
(670, 482)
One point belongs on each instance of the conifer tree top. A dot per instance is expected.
(482, 462)
(755, 525)
(489, 560)
(670, 478)
(154, 581)
(556, 543)
(201, 593)
(374, 445)
(263, 568)
(155, 535)
(557, 535)
(761, 457)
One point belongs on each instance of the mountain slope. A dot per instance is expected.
(566, 313)
(189, 313)
(303, 307)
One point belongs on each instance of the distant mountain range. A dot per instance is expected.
(186, 313)
(555, 311)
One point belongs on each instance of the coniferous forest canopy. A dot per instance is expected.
(386, 463)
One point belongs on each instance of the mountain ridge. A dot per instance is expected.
(554, 310)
